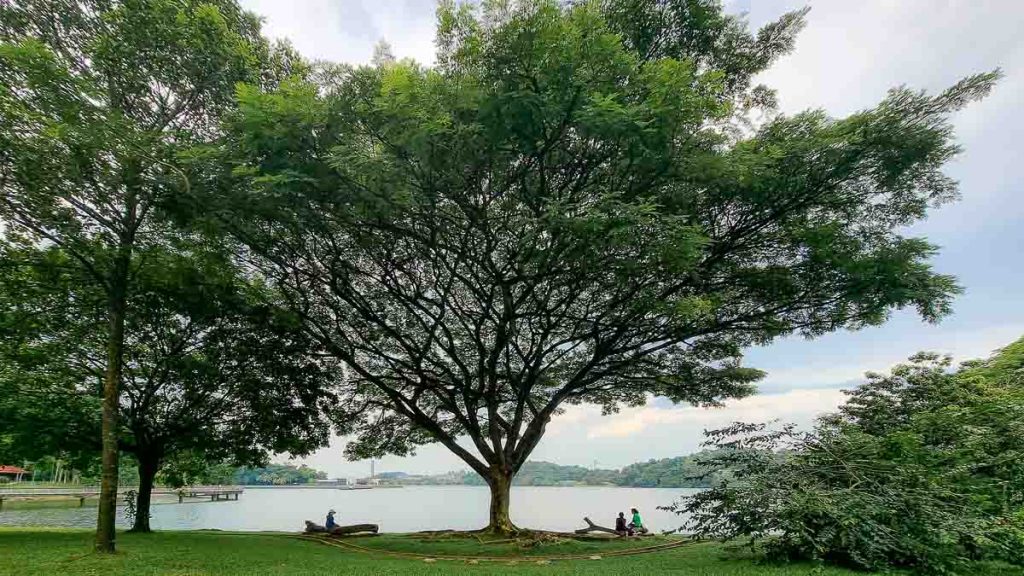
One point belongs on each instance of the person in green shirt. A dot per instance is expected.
(637, 525)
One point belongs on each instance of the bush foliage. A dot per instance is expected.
(920, 468)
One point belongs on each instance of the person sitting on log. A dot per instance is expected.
(637, 525)
(620, 526)
(331, 524)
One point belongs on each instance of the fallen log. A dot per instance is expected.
(313, 528)
(354, 529)
(591, 527)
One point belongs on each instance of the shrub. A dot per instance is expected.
(920, 469)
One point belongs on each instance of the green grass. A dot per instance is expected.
(63, 552)
(463, 544)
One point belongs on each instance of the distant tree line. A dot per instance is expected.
(679, 472)
(269, 475)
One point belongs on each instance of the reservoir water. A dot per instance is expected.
(405, 509)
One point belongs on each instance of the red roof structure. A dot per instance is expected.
(12, 470)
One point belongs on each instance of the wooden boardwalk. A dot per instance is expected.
(81, 493)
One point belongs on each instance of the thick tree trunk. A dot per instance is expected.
(148, 467)
(500, 522)
(105, 519)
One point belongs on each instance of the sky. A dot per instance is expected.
(845, 60)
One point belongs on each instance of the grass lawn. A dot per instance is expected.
(60, 552)
(468, 545)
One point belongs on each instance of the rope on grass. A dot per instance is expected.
(508, 559)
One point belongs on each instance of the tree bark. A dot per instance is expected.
(148, 466)
(117, 305)
(500, 522)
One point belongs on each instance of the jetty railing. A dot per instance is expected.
(82, 492)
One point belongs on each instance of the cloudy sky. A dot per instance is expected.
(845, 60)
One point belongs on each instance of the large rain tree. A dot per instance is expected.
(572, 207)
(97, 98)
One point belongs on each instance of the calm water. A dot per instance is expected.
(404, 509)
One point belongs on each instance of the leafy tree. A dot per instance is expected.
(1006, 366)
(562, 211)
(681, 472)
(921, 468)
(888, 401)
(97, 99)
(216, 473)
(277, 475)
(210, 371)
(42, 404)
(214, 372)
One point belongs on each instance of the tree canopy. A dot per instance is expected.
(920, 468)
(212, 369)
(572, 206)
(42, 404)
(97, 100)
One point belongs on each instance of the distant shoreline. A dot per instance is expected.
(317, 486)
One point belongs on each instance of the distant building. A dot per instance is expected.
(12, 472)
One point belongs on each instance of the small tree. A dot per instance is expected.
(920, 468)
(211, 372)
(215, 373)
(97, 98)
(568, 209)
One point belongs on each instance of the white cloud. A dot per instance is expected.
(851, 53)
(801, 406)
(347, 30)
(840, 360)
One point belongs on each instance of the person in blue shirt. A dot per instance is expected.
(331, 524)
